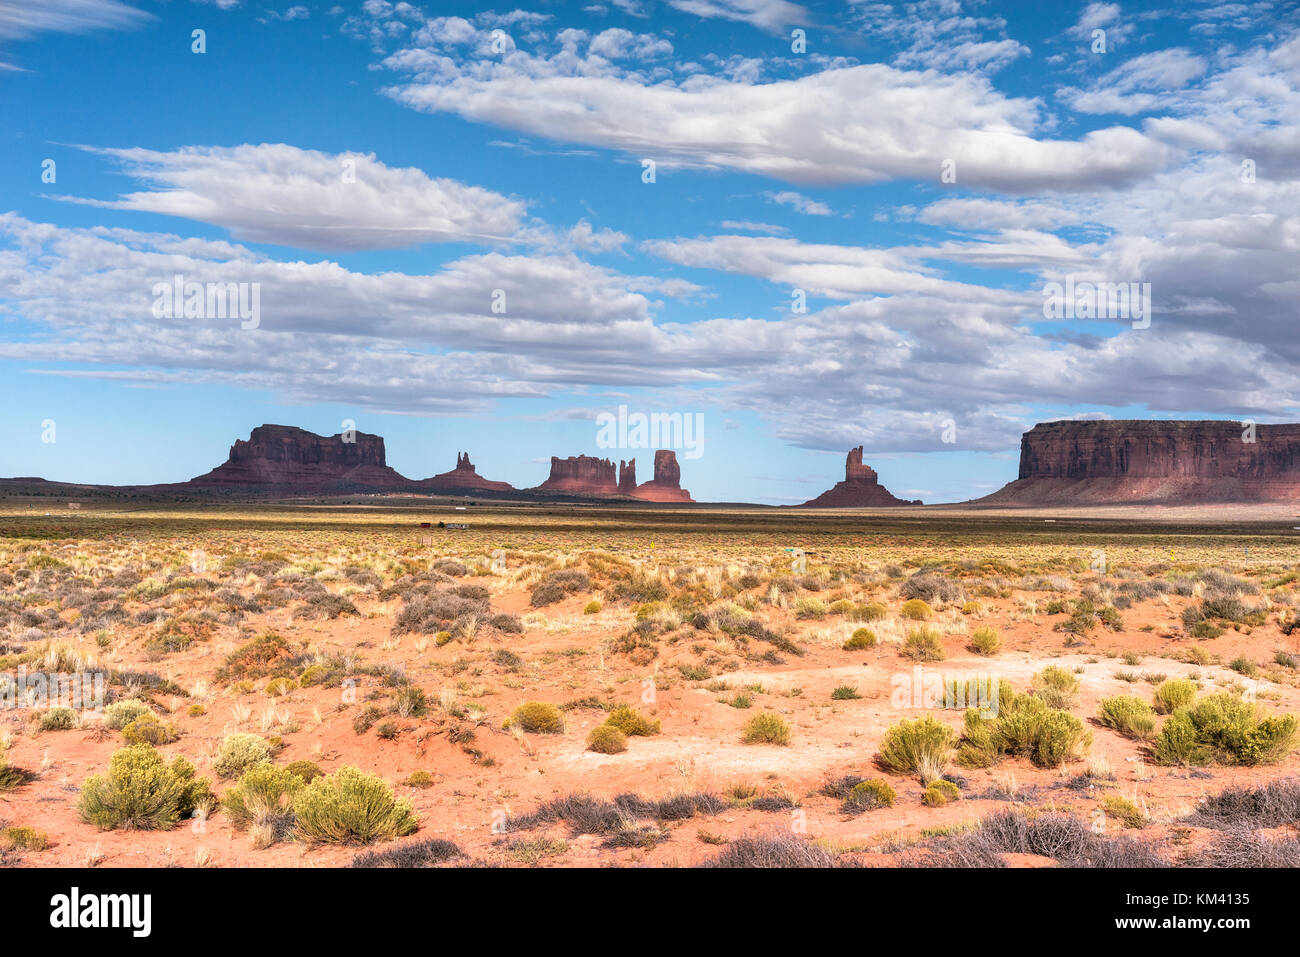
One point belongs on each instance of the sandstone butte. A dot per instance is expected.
(284, 455)
(861, 488)
(1140, 461)
(587, 475)
(463, 478)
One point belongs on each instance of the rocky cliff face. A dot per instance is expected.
(627, 476)
(581, 475)
(284, 455)
(1173, 462)
(861, 488)
(666, 486)
(463, 478)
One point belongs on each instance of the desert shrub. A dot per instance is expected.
(121, 713)
(279, 687)
(263, 796)
(429, 612)
(870, 611)
(142, 792)
(1129, 715)
(810, 608)
(841, 607)
(784, 850)
(922, 644)
(860, 639)
(916, 610)
(844, 693)
(1057, 687)
(607, 739)
(239, 752)
(11, 777)
(1243, 666)
(419, 779)
(591, 608)
(325, 605)
(909, 744)
(537, 717)
(867, 796)
(23, 839)
(555, 586)
(307, 770)
(1124, 810)
(428, 853)
(351, 807)
(148, 729)
(631, 722)
(931, 588)
(1225, 729)
(268, 655)
(1274, 804)
(940, 792)
(58, 719)
(985, 641)
(1024, 725)
(766, 728)
(1173, 694)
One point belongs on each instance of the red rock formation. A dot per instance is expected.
(666, 486)
(1171, 462)
(581, 475)
(284, 455)
(627, 476)
(463, 478)
(860, 489)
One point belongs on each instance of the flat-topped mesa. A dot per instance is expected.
(1170, 462)
(285, 455)
(861, 488)
(627, 476)
(463, 478)
(581, 475)
(666, 486)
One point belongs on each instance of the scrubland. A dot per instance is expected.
(549, 686)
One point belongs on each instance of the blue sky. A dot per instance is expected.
(379, 170)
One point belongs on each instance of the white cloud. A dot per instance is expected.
(24, 18)
(800, 202)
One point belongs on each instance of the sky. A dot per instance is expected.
(802, 227)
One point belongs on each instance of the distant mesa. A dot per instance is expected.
(666, 486)
(861, 488)
(1136, 461)
(581, 475)
(463, 478)
(284, 455)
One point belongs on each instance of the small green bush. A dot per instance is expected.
(58, 719)
(148, 729)
(845, 693)
(607, 739)
(592, 607)
(1225, 729)
(537, 717)
(871, 611)
(419, 779)
(1024, 725)
(909, 744)
(351, 807)
(766, 728)
(922, 644)
(1129, 715)
(916, 609)
(121, 713)
(631, 722)
(869, 795)
(263, 792)
(23, 839)
(985, 641)
(1057, 687)
(307, 770)
(939, 793)
(1173, 694)
(861, 638)
(142, 792)
(239, 752)
(1124, 810)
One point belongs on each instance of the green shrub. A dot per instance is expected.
(1129, 715)
(909, 744)
(809, 608)
(985, 641)
(239, 752)
(1125, 810)
(940, 792)
(1173, 694)
(631, 722)
(922, 644)
(307, 770)
(351, 807)
(142, 792)
(23, 839)
(1057, 687)
(916, 609)
(860, 639)
(58, 719)
(279, 687)
(148, 729)
(419, 779)
(871, 611)
(766, 728)
(592, 607)
(537, 717)
(121, 713)
(842, 607)
(845, 693)
(869, 795)
(1226, 729)
(607, 739)
(1024, 725)
(1243, 666)
(264, 791)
